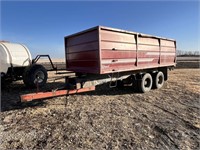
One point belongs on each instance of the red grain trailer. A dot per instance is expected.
(101, 54)
(102, 50)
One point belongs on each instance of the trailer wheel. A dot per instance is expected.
(35, 74)
(158, 80)
(145, 83)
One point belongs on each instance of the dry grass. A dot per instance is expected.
(106, 118)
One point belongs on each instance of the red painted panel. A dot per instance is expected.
(89, 36)
(168, 49)
(148, 48)
(83, 47)
(117, 46)
(168, 43)
(148, 54)
(117, 66)
(101, 50)
(82, 51)
(84, 66)
(87, 55)
(109, 54)
(167, 59)
(92, 70)
(167, 55)
(107, 35)
(83, 63)
(148, 40)
(148, 62)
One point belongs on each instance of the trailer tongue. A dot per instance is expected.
(42, 95)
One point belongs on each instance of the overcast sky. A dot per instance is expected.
(41, 26)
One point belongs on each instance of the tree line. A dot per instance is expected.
(188, 53)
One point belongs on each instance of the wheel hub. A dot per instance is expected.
(39, 77)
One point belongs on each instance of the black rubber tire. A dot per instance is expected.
(158, 80)
(145, 84)
(32, 72)
(120, 84)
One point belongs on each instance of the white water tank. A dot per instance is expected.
(13, 54)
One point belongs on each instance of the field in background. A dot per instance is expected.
(188, 62)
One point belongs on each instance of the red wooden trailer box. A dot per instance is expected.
(102, 50)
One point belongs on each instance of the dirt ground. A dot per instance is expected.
(168, 118)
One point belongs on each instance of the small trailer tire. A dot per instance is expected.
(158, 81)
(145, 83)
(35, 75)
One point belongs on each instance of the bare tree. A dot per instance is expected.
(187, 53)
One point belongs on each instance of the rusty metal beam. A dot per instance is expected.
(42, 95)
